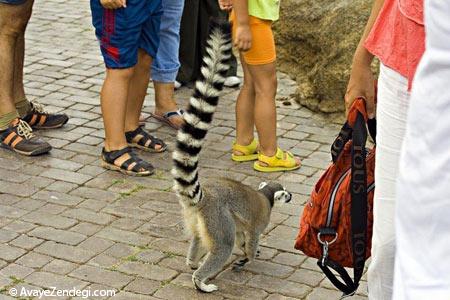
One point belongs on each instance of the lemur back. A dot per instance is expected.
(221, 212)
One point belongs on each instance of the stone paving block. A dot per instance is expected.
(59, 266)
(68, 176)
(87, 215)
(52, 162)
(19, 226)
(61, 186)
(181, 293)
(132, 296)
(26, 242)
(93, 205)
(269, 268)
(6, 199)
(34, 260)
(7, 235)
(235, 291)
(120, 250)
(170, 246)
(18, 189)
(290, 259)
(177, 263)
(321, 294)
(308, 277)
(148, 271)
(95, 194)
(275, 285)
(150, 256)
(53, 209)
(86, 228)
(49, 280)
(95, 244)
(104, 261)
(281, 297)
(98, 275)
(46, 219)
(143, 286)
(123, 236)
(10, 253)
(129, 224)
(66, 252)
(60, 236)
(130, 212)
(15, 270)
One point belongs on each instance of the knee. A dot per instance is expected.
(121, 74)
(268, 86)
(17, 25)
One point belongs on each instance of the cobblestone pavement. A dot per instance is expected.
(65, 222)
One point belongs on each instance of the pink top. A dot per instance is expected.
(398, 36)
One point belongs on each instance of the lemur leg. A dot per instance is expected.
(240, 241)
(222, 240)
(196, 252)
(251, 250)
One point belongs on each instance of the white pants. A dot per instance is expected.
(393, 100)
(422, 269)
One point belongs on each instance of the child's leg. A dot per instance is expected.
(265, 115)
(137, 90)
(114, 96)
(245, 108)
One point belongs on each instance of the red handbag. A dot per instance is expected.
(336, 225)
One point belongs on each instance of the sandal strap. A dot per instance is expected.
(279, 159)
(246, 150)
(111, 156)
(169, 114)
(131, 135)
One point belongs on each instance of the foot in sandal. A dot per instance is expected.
(245, 153)
(139, 138)
(126, 161)
(172, 119)
(281, 161)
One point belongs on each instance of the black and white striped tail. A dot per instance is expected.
(199, 115)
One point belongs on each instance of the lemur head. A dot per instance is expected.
(275, 192)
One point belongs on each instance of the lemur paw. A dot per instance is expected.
(193, 265)
(203, 287)
(238, 265)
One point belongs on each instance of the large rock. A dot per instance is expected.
(315, 44)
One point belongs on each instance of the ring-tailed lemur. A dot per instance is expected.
(222, 211)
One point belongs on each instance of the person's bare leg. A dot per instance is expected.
(245, 109)
(137, 90)
(114, 97)
(13, 21)
(265, 83)
(165, 101)
(18, 88)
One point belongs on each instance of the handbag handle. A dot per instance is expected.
(355, 129)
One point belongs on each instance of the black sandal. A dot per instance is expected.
(133, 166)
(141, 139)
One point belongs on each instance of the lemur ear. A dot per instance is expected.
(262, 185)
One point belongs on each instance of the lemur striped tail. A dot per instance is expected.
(199, 115)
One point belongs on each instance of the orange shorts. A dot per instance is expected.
(262, 50)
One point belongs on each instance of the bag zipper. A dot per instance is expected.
(333, 196)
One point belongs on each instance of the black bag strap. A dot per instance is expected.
(358, 186)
